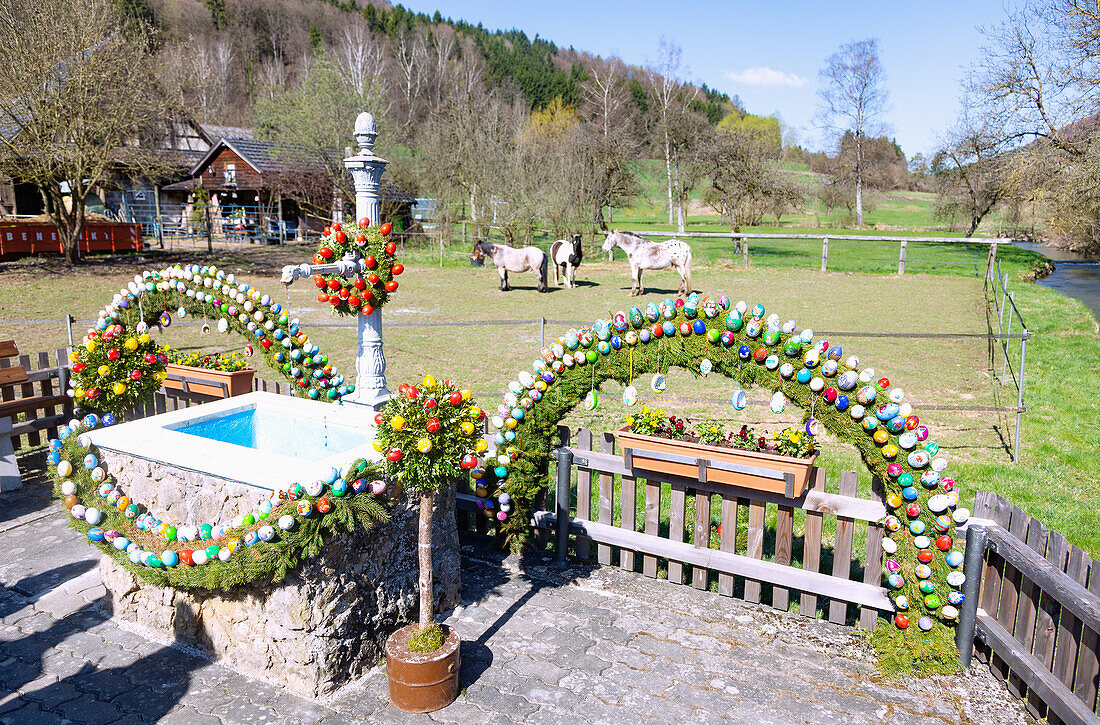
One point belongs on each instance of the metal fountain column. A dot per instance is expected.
(370, 363)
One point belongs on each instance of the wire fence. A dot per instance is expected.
(1004, 349)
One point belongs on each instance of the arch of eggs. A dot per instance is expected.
(921, 517)
(208, 290)
(188, 544)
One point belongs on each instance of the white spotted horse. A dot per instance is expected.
(508, 259)
(644, 254)
(566, 257)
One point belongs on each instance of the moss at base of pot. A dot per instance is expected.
(427, 639)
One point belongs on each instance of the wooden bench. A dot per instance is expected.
(18, 396)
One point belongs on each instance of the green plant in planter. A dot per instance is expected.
(429, 436)
(226, 362)
(710, 433)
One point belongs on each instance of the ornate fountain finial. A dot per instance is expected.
(365, 133)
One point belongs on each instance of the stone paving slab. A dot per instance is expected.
(541, 645)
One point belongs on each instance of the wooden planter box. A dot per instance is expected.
(748, 469)
(214, 383)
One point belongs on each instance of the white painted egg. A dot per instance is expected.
(828, 369)
(313, 488)
(905, 410)
(889, 545)
(938, 504)
(789, 327)
(939, 464)
(867, 375)
(817, 385)
(847, 380)
(897, 395)
(93, 516)
(68, 488)
(956, 579)
(286, 522)
(77, 511)
(856, 411)
(778, 402)
(961, 515)
(224, 553)
(786, 370)
(223, 325)
(630, 395)
(922, 542)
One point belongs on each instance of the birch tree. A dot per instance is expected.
(853, 98)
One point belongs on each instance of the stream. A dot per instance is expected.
(1074, 274)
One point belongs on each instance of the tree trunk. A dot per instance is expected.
(668, 175)
(859, 181)
(679, 202)
(424, 549)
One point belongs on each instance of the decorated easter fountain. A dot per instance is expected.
(259, 528)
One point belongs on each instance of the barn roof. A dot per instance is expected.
(269, 158)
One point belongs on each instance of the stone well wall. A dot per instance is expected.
(321, 627)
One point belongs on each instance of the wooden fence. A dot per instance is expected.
(47, 378)
(1038, 616)
(742, 557)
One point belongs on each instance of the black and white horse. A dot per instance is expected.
(508, 259)
(644, 254)
(566, 257)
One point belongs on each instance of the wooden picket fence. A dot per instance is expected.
(1038, 620)
(681, 544)
(47, 375)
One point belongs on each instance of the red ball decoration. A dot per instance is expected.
(469, 461)
(394, 455)
(370, 261)
(925, 556)
(78, 367)
(265, 343)
(385, 229)
(135, 375)
(912, 510)
(344, 293)
(433, 425)
(187, 557)
(341, 237)
(353, 301)
(412, 392)
(322, 297)
(829, 395)
(429, 405)
(112, 354)
(364, 221)
(333, 284)
(367, 309)
(324, 505)
(373, 278)
(943, 542)
(657, 330)
(391, 247)
(398, 269)
(327, 231)
(391, 286)
(902, 620)
(336, 226)
(884, 383)
(455, 398)
(319, 281)
(679, 304)
(335, 300)
(360, 283)
(360, 239)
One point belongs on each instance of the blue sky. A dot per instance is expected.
(769, 53)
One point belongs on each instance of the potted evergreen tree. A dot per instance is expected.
(428, 437)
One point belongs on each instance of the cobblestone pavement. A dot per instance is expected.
(540, 645)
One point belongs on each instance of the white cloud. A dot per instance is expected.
(760, 75)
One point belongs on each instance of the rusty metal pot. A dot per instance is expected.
(422, 682)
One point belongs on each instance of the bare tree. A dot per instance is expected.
(662, 79)
(73, 106)
(411, 53)
(853, 98)
(362, 60)
(972, 169)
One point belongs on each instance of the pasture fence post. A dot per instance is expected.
(561, 502)
(440, 248)
(69, 320)
(744, 251)
(901, 259)
(542, 332)
(989, 263)
(1008, 333)
(1020, 399)
(824, 254)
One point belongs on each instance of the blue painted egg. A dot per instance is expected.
(909, 493)
(644, 336)
(804, 376)
(847, 380)
(91, 421)
(90, 461)
(869, 423)
(652, 313)
(835, 353)
(930, 478)
(53, 457)
(896, 424)
(121, 543)
(616, 343)
(669, 328)
(169, 558)
(953, 559)
(916, 528)
(95, 534)
(699, 327)
(886, 411)
(266, 533)
(842, 402)
(63, 433)
(907, 440)
(953, 597)
(896, 581)
(500, 472)
(251, 538)
(744, 352)
(55, 444)
(924, 623)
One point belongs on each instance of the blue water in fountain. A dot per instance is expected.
(309, 439)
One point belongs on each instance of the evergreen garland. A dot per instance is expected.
(717, 337)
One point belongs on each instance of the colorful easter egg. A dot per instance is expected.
(866, 395)
(778, 402)
(954, 558)
(917, 459)
(786, 370)
(842, 402)
(804, 375)
(739, 400)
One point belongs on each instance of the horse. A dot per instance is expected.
(644, 254)
(566, 257)
(508, 259)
